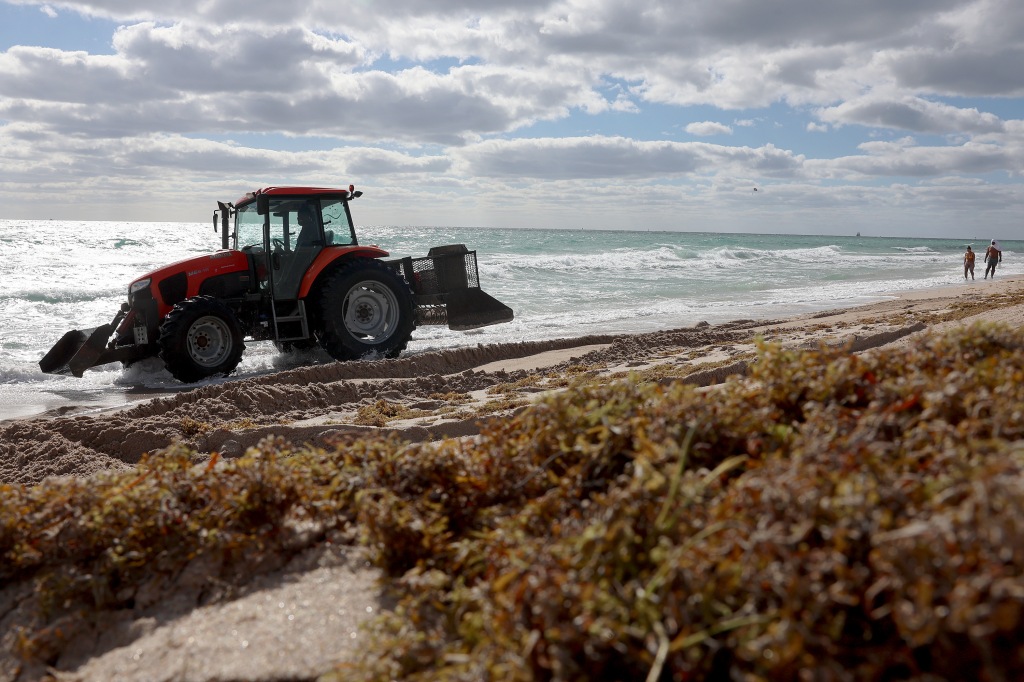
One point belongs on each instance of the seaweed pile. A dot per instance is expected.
(830, 516)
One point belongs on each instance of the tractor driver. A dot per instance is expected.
(308, 233)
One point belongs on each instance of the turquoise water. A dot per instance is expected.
(572, 282)
(61, 275)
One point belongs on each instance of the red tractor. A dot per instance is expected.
(290, 271)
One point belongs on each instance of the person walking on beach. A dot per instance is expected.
(993, 256)
(969, 262)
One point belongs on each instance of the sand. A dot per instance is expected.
(330, 592)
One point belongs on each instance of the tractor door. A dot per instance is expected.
(282, 237)
(294, 238)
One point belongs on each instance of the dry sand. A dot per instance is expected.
(300, 619)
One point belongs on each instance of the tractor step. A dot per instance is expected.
(294, 325)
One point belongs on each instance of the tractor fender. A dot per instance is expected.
(332, 256)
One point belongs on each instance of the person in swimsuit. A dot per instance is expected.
(969, 262)
(993, 256)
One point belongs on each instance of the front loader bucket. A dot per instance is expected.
(80, 349)
(471, 308)
(77, 351)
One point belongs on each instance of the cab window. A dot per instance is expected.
(294, 224)
(337, 229)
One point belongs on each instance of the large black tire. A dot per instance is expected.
(366, 309)
(200, 338)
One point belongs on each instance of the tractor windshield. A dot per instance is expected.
(337, 225)
(249, 226)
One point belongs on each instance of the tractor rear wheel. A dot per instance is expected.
(200, 338)
(366, 309)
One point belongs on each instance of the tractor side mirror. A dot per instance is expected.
(262, 204)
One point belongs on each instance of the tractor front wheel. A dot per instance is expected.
(200, 338)
(366, 310)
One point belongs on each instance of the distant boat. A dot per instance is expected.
(858, 234)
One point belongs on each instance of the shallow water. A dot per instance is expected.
(62, 275)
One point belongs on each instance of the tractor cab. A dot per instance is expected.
(284, 229)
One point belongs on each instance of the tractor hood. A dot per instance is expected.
(181, 280)
(198, 268)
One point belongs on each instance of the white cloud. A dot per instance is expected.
(193, 80)
(615, 157)
(911, 113)
(903, 158)
(48, 11)
(706, 128)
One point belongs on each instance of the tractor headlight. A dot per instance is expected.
(138, 286)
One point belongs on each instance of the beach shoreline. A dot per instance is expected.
(35, 401)
(318, 403)
(334, 589)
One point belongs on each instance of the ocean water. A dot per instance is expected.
(62, 275)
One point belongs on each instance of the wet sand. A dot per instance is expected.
(315, 404)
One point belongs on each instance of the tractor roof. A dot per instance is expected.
(345, 193)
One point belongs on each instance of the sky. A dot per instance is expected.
(880, 117)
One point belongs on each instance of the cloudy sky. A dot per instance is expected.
(876, 116)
